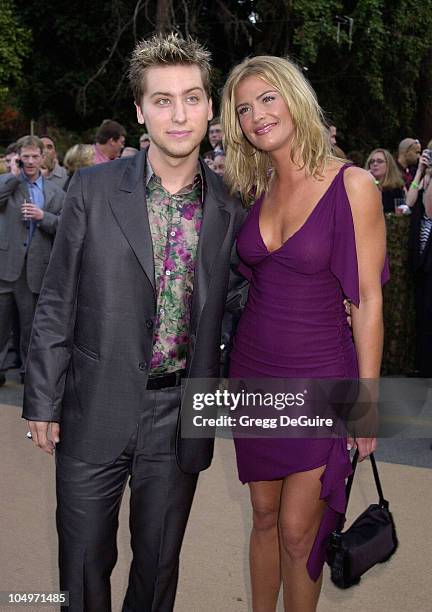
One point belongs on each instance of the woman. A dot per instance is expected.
(382, 166)
(301, 254)
(420, 199)
(78, 156)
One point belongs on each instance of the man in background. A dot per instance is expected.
(57, 173)
(110, 140)
(144, 141)
(29, 210)
(215, 134)
(409, 152)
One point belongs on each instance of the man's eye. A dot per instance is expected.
(193, 99)
(162, 101)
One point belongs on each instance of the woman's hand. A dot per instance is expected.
(365, 446)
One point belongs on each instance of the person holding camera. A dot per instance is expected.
(29, 210)
(419, 198)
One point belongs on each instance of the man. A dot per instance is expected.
(409, 152)
(332, 130)
(215, 134)
(144, 141)
(29, 211)
(133, 301)
(57, 174)
(11, 157)
(110, 140)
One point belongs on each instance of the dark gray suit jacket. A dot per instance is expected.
(92, 336)
(14, 234)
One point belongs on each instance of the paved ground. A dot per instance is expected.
(214, 574)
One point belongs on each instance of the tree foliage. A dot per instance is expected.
(376, 84)
(14, 46)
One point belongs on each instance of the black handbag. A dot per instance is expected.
(371, 539)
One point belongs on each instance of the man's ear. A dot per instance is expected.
(210, 109)
(139, 114)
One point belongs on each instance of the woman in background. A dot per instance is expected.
(383, 168)
(78, 156)
(314, 235)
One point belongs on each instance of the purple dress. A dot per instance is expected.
(295, 326)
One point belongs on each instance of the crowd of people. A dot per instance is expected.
(150, 254)
(403, 180)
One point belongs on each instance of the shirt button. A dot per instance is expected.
(162, 311)
(142, 365)
(168, 272)
(172, 234)
(149, 323)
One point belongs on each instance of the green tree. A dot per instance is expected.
(369, 60)
(14, 46)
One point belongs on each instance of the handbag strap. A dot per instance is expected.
(382, 501)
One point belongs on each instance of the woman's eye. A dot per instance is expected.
(268, 98)
(242, 110)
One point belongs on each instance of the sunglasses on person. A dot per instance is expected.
(376, 161)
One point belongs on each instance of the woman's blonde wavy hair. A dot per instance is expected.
(248, 169)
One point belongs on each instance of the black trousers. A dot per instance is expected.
(88, 503)
(13, 295)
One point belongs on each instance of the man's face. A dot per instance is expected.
(11, 160)
(175, 109)
(31, 158)
(332, 133)
(219, 165)
(49, 148)
(215, 135)
(116, 146)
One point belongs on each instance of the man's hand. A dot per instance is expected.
(39, 431)
(31, 212)
(347, 305)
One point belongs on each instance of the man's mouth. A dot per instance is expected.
(179, 133)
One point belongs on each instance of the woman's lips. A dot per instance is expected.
(265, 129)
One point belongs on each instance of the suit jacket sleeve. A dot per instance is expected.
(50, 346)
(49, 222)
(8, 184)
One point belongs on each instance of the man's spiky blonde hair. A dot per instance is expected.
(165, 50)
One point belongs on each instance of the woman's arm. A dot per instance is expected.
(367, 319)
(412, 193)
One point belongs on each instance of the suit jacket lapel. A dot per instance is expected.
(48, 194)
(213, 231)
(128, 205)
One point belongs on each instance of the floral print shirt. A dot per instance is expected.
(175, 222)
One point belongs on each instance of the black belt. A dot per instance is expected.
(165, 379)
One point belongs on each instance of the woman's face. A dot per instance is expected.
(263, 115)
(378, 165)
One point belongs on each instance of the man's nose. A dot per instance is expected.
(179, 114)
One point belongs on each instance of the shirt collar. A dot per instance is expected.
(38, 181)
(198, 179)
